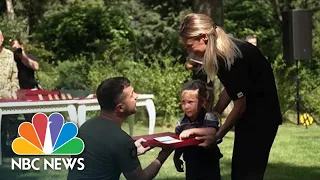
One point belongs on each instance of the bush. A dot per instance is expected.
(163, 79)
(285, 75)
(84, 29)
(48, 76)
(69, 74)
(73, 74)
(13, 29)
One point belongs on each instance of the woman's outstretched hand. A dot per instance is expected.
(207, 141)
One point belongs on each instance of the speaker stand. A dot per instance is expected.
(298, 102)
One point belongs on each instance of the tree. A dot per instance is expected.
(212, 8)
(34, 10)
(10, 10)
(86, 29)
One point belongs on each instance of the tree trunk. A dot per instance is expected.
(277, 9)
(287, 5)
(10, 10)
(212, 8)
(63, 2)
(32, 23)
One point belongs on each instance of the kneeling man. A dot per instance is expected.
(110, 151)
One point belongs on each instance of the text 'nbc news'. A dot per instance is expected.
(38, 164)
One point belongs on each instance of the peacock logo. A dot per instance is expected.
(45, 136)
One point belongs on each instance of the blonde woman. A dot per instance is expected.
(249, 82)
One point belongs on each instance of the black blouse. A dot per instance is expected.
(252, 76)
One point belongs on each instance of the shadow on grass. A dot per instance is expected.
(278, 171)
(284, 171)
(6, 173)
(275, 171)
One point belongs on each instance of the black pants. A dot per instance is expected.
(28, 117)
(199, 172)
(9, 131)
(9, 127)
(251, 150)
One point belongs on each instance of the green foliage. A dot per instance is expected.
(84, 29)
(168, 9)
(254, 17)
(72, 73)
(156, 28)
(80, 42)
(48, 76)
(285, 86)
(163, 79)
(286, 75)
(42, 55)
(15, 29)
(69, 74)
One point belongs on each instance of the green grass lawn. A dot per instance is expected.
(295, 156)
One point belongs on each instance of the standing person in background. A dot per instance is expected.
(252, 40)
(27, 66)
(8, 85)
(249, 82)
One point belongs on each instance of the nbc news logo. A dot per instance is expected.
(47, 136)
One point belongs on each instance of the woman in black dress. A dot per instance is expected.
(249, 82)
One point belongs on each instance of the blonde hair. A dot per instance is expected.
(219, 43)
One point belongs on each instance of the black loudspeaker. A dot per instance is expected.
(297, 35)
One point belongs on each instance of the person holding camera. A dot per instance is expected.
(26, 65)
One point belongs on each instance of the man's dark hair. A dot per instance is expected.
(194, 85)
(109, 92)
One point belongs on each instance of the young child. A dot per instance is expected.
(201, 163)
